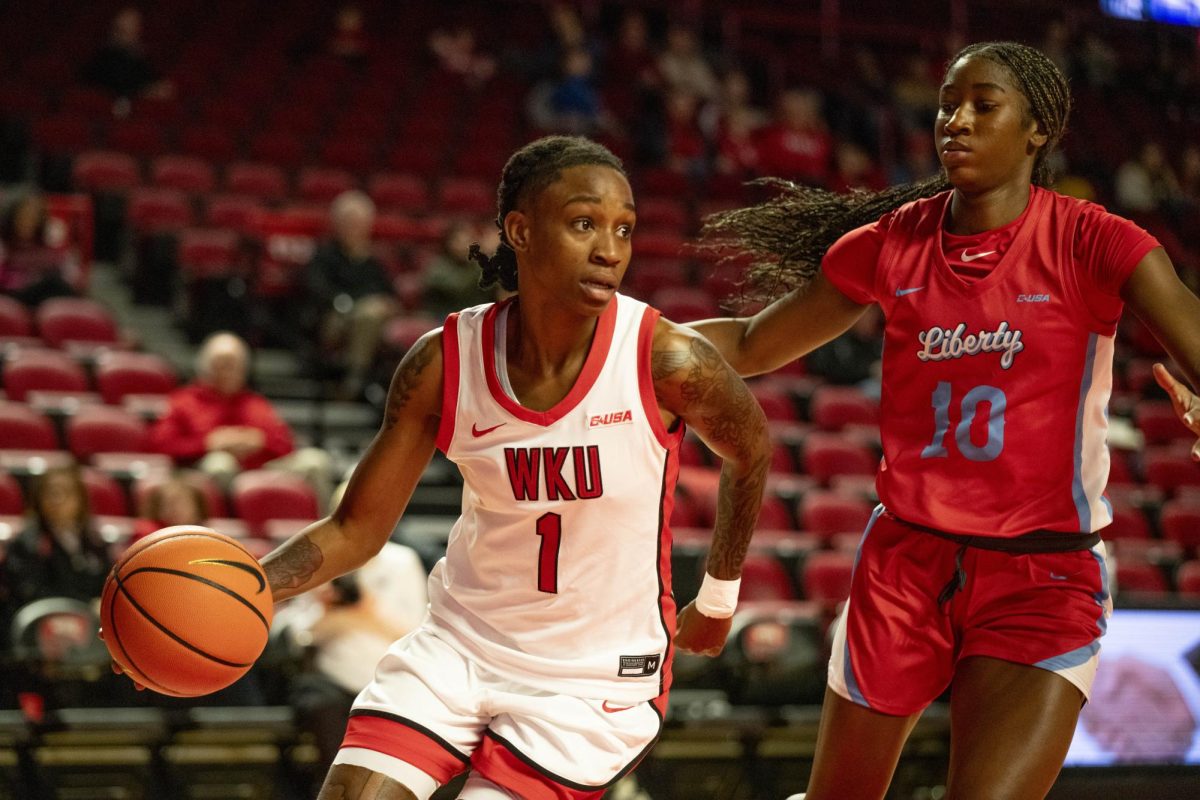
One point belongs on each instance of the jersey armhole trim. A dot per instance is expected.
(451, 374)
(668, 439)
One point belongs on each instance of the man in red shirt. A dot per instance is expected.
(221, 427)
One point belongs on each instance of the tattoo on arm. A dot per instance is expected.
(404, 381)
(294, 565)
(733, 422)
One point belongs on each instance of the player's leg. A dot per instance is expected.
(345, 782)
(1011, 725)
(857, 750)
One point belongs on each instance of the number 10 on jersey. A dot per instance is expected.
(971, 402)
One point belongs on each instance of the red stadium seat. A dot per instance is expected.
(1188, 578)
(207, 253)
(23, 428)
(104, 429)
(660, 244)
(661, 213)
(66, 132)
(825, 576)
(698, 485)
(1180, 522)
(774, 515)
(42, 370)
(396, 192)
(317, 185)
(354, 155)
(1170, 467)
(105, 495)
(261, 495)
(136, 137)
(1129, 522)
(776, 403)
(14, 318)
(826, 456)
(211, 142)
(282, 149)
(1137, 576)
(834, 407)
(12, 502)
(826, 513)
(232, 211)
(467, 196)
(262, 181)
(1158, 423)
(764, 578)
(157, 210)
(119, 374)
(103, 171)
(75, 319)
(184, 173)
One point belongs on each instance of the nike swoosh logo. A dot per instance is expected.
(477, 433)
(902, 292)
(613, 709)
(970, 258)
(1056, 577)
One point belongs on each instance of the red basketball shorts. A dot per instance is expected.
(895, 647)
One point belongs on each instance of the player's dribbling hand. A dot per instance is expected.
(116, 668)
(1185, 403)
(696, 633)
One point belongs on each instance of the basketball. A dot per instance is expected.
(186, 611)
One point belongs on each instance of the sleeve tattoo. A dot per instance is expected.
(294, 565)
(404, 381)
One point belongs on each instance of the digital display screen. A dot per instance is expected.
(1174, 12)
(1145, 703)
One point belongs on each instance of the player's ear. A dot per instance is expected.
(1039, 137)
(516, 230)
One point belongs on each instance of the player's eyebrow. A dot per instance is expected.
(590, 198)
(982, 85)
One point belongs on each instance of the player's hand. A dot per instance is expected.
(1186, 404)
(116, 668)
(696, 633)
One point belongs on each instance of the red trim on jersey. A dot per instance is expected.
(393, 737)
(601, 341)
(666, 600)
(1038, 199)
(450, 378)
(667, 439)
(496, 760)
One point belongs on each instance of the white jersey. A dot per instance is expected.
(557, 574)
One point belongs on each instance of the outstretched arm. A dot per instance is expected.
(1172, 313)
(792, 326)
(694, 383)
(381, 485)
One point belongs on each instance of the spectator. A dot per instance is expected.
(684, 67)
(456, 55)
(175, 502)
(915, 95)
(855, 170)
(852, 359)
(571, 104)
(219, 425)
(1147, 183)
(687, 151)
(1189, 176)
(631, 68)
(121, 65)
(60, 552)
(349, 40)
(737, 145)
(734, 98)
(31, 269)
(797, 145)
(451, 278)
(351, 291)
(350, 623)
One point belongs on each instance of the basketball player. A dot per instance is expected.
(545, 661)
(982, 566)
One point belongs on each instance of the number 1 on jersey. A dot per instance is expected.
(962, 433)
(549, 527)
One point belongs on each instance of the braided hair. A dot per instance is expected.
(786, 237)
(530, 170)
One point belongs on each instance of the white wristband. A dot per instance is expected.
(717, 599)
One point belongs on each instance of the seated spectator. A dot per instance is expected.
(221, 427)
(350, 623)
(797, 145)
(631, 68)
(60, 552)
(684, 67)
(457, 55)
(349, 39)
(31, 269)
(686, 148)
(121, 65)
(351, 291)
(451, 278)
(855, 170)
(175, 502)
(570, 103)
(1147, 183)
(737, 144)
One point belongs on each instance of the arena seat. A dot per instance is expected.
(12, 502)
(104, 171)
(209, 253)
(1170, 467)
(467, 196)
(825, 576)
(183, 173)
(684, 303)
(349, 154)
(764, 578)
(105, 429)
(75, 319)
(1140, 577)
(118, 374)
(1180, 522)
(15, 319)
(826, 513)
(698, 485)
(826, 456)
(775, 515)
(23, 428)
(261, 181)
(261, 495)
(278, 148)
(137, 137)
(776, 403)
(28, 370)
(1187, 579)
(64, 132)
(232, 211)
(399, 192)
(208, 141)
(106, 497)
(322, 185)
(158, 210)
(834, 407)
(1158, 423)
(1129, 522)
(662, 213)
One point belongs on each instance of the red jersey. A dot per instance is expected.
(995, 391)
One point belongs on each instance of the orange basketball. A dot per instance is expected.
(186, 611)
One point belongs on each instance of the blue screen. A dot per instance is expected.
(1175, 12)
(1145, 703)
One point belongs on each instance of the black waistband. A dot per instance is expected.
(1039, 541)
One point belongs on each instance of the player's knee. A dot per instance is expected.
(348, 782)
